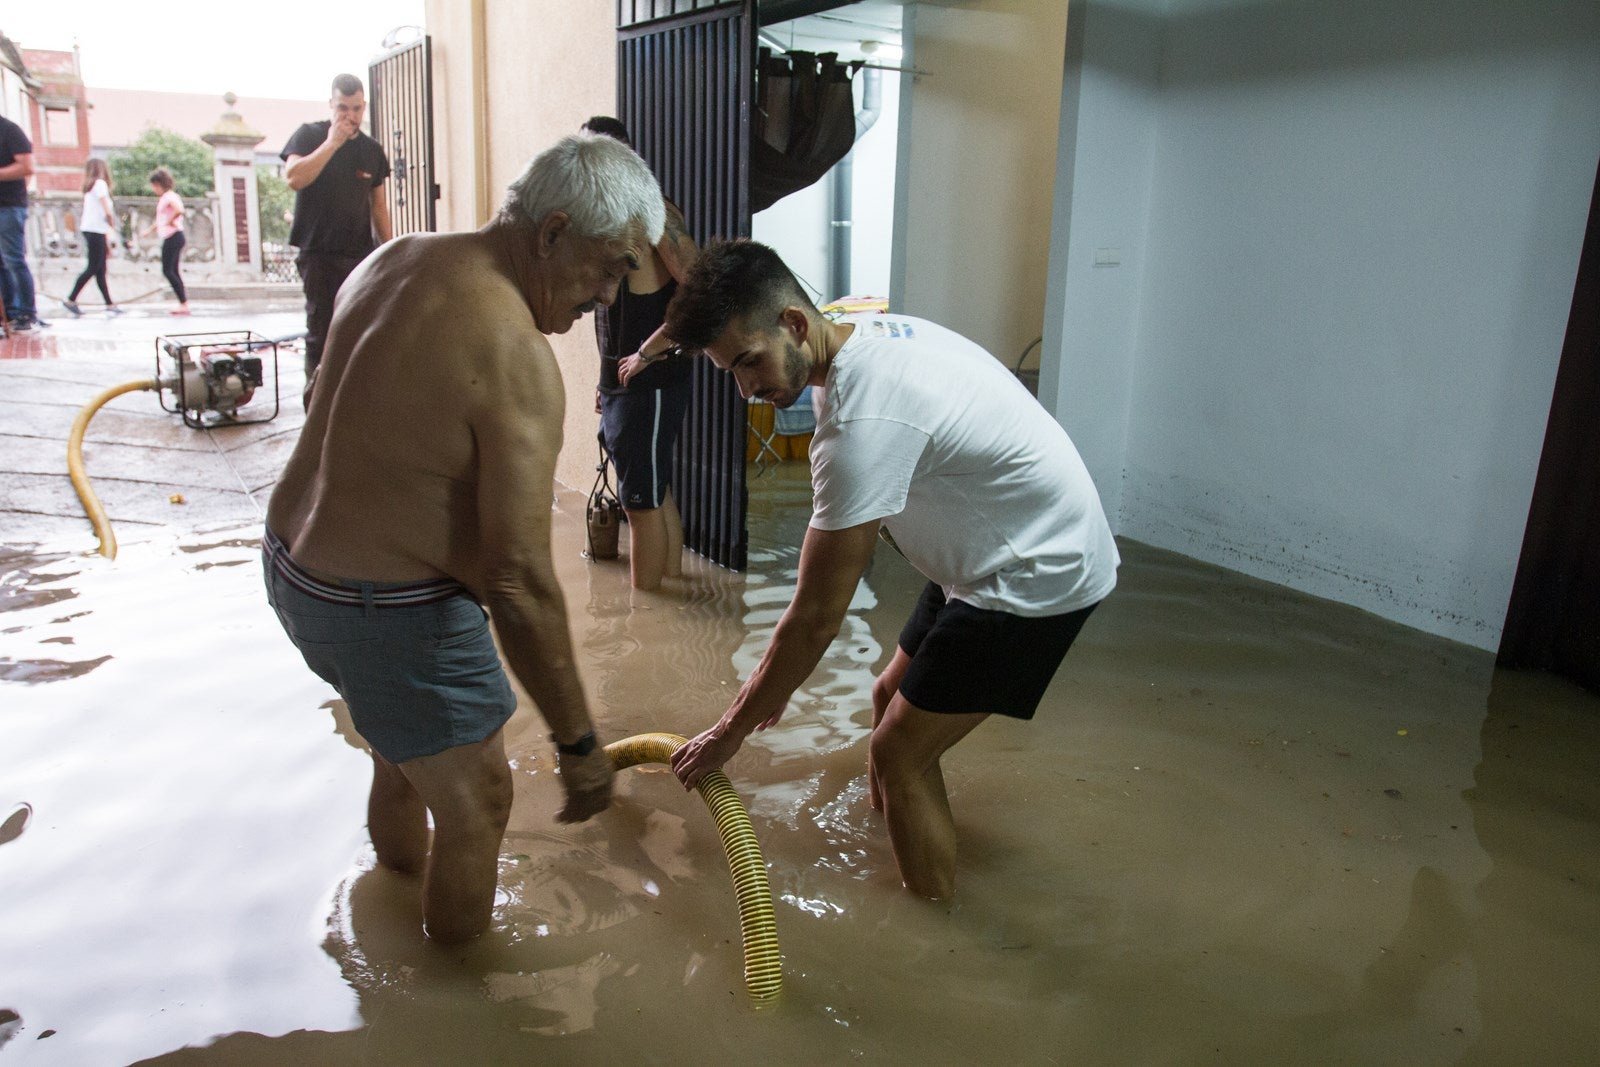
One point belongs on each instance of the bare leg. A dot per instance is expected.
(468, 790)
(905, 751)
(647, 547)
(673, 564)
(884, 688)
(397, 819)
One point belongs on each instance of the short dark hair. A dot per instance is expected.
(610, 127)
(161, 176)
(346, 85)
(732, 281)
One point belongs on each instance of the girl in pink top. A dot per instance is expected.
(168, 225)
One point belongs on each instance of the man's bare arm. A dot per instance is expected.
(517, 424)
(831, 563)
(301, 171)
(381, 224)
(20, 167)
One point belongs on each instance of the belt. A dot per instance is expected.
(378, 594)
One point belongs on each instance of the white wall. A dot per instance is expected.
(1347, 238)
(977, 165)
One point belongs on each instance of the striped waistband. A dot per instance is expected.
(378, 594)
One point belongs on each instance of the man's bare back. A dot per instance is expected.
(428, 325)
(437, 345)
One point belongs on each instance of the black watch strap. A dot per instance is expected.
(581, 747)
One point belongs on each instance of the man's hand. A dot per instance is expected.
(341, 130)
(587, 780)
(706, 753)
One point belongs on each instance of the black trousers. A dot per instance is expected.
(321, 275)
(171, 251)
(95, 244)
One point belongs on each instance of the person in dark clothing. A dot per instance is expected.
(644, 394)
(16, 280)
(340, 208)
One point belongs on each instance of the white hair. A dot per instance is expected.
(599, 183)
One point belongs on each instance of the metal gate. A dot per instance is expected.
(401, 87)
(685, 79)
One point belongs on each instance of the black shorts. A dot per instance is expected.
(967, 659)
(640, 430)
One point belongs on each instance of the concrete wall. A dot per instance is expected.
(511, 77)
(1345, 238)
(978, 135)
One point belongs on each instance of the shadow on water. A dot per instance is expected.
(1245, 827)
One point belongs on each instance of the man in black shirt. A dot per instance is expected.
(340, 210)
(16, 280)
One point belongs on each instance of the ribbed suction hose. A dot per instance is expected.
(80, 480)
(763, 969)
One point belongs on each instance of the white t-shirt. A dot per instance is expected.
(94, 210)
(980, 488)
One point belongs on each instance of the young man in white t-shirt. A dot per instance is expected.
(926, 435)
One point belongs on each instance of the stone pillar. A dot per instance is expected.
(233, 143)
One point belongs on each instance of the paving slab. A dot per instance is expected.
(149, 469)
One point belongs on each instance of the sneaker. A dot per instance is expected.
(21, 325)
(37, 321)
(180, 311)
(72, 306)
(112, 309)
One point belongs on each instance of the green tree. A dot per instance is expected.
(188, 160)
(277, 205)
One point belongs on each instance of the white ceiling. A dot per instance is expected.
(842, 30)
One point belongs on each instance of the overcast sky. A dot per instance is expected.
(281, 48)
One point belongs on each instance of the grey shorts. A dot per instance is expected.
(415, 662)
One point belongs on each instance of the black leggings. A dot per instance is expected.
(96, 245)
(171, 249)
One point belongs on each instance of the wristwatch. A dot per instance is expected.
(581, 747)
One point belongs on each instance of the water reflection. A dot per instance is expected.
(1246, 826)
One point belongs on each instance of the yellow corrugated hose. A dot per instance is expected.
(763, 969)
(80, 480)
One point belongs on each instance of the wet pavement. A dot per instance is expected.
(1246, 827)
(138, 457)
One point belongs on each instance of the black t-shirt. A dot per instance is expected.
(333, 214)
(13, 143)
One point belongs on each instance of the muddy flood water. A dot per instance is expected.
(1246, 827)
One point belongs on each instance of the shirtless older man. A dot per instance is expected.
(419, 492)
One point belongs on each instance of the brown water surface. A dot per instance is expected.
(1246, 827)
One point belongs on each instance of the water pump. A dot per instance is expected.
(208, 377)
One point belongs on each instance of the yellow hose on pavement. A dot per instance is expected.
(80, 480)
(763, 969)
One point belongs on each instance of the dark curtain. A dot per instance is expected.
(1553, 622)
(805, 122)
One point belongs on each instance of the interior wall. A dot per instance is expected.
(977, 143)
(1347, 238)
(545, 67)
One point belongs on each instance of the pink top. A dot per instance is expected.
(169, 214)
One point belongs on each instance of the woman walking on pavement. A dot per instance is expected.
(96, 223)
(168, 225)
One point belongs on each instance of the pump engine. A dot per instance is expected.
(208, 378)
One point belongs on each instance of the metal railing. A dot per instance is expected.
(53, 228)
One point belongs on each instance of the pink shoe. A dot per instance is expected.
(180, 311)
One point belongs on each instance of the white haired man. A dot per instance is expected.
(419, 493)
